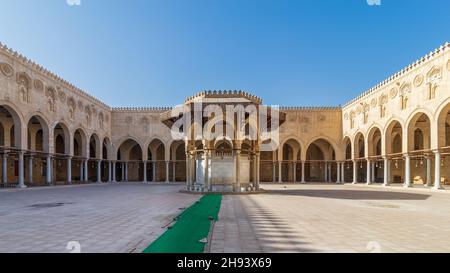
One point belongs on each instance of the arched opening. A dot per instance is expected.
(38, 135)
(267, 169)
(375, 152)
(38, 143)
(291, 154)
(106, 145)
(348, 164)
(419, 143)
(94, 156)
(320, 156)
(178, 161)
(130, 167)
(443, 127)
(61, 137)
(10, 138)
(394, 150)
(158, 166)
(360, 158)
(80, 154)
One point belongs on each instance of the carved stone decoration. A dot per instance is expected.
(72, 106)
(393, 93)
(101, 120)
(88, 112)
(6, 70)
(405, 88)
(352, 119)
(382, 103)
(434, 75)
(144, 122)
(129, 120)
(50, 92)
(80, 105)
(418, 80)
(448, 65)
(24, 85)
(38, 85)
(346, 116)
(374, 102)
(62, 96)
(359, 110)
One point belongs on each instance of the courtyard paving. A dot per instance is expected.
(101, 218)
(334, 218)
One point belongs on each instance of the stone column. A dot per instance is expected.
(238, 171)
(114, 177)
(407, 171)
(303, 172)
(82, 170)
(188, 172)
(258, 170)
(110, 172)
(99, 171)
(69, 170)
(387, 166)
(355, 172)
(122, 169)
(86, 170)
(343, 172)
(21, 170)
(5, 169)
(30, 170)
(206, 171)
(437, 171)
(429, 179)
(167, 171)
(369, 172)
(145, 171)
(49, 170)
(326, 172)
(154, 171)
(295, 171)
(174, 165)
(126, 171)
(280, 178)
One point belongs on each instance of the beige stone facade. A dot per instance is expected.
(53, 133)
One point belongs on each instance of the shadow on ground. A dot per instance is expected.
(352, 194)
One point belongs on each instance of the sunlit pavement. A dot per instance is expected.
(334, 218)
(101, 218)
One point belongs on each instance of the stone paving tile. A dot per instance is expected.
(334, 218)
(103, 218)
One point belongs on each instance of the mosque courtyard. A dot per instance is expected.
(287, 218)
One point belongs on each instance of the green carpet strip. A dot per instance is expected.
(190, 227)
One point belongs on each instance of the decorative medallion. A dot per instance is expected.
(418, 80)
(6, 69)
(393, 93)
(374, 102)
(62, 96)
(38, 85)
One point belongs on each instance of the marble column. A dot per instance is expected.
(86, 170)
(437, 171)
(69, 170)
(206, 172)
(30, 169)
(49, 170)
(154, 171)
(369, 172)
(144, 164)
(343, 172)
(355, 172)
(5, 169)
(326, 172)
(280, 178)
(21, 170)
(295, 171)
(408, 183)
(387, 166)
(167, 171)
(274, 172)
(110, 164)
(126, 172)
(238, 170)
(99, 171)
(81, 170)
(174, 169)
(373, 172)
(258, 171)
(429, 181)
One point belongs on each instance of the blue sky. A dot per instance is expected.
(290, 53)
